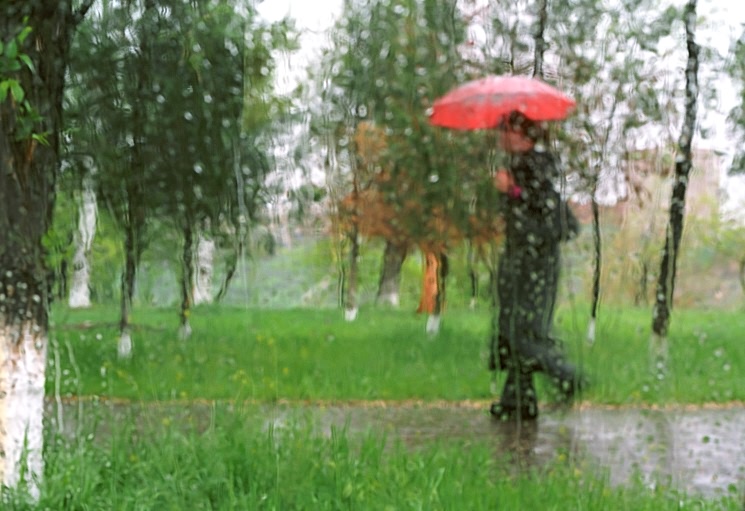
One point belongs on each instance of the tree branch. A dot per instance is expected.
(77, 17)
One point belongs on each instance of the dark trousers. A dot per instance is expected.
(522, 359)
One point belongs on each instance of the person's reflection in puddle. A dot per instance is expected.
(518, 442)
(528, 445)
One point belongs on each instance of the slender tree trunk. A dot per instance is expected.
(389, 286)
(80, 293)
(187, 277)
(129, 275)
(28, 170)
(597, 242)
(231, 268)
(674, 232)
(352, 275)
(473, 275)
(540, 42)
(135, 212)
(432, 300)
(433, 321)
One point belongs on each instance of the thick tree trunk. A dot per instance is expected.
(205, 270)
(23, 358)
(29, 161)
(674, 232)
(389, 286)
(80, 293)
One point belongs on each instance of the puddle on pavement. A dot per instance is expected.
(698, 451)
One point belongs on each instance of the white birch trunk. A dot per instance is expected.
(124, 345)
(350, 314)
(184, 331)
(591, 331)
(23, 358)
(391, 299)
(80, 294)
(202, 291)
(433, 324)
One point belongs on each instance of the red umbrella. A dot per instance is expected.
(484, 103)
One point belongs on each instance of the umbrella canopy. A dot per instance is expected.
(484, 103)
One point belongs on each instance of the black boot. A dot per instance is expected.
(518, 401)
(549, 358)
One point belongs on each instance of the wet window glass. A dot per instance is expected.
(372, 254)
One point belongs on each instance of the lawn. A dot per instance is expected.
(313, 354)
(152, 455)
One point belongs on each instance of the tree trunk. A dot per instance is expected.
(473, 275)
(29, 162)
(352, 275)
(187, 277)
(390, 276)
(597, 241)
(540, 41)
(23, 358)
(131, 257)
(231, 268)
(432, 300)
(80, 293)
(674, 232)
(205, 270)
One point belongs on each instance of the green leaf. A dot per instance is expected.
(24, 34)
(27, 60)
(11, 51)
(4, 86)
(16, 90)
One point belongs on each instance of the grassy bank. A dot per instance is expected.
(266, 355)
(238, 462)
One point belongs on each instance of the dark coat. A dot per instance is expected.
(537, 221)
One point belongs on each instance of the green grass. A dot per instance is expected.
(237, 462)
(267, 355)
(242, 458)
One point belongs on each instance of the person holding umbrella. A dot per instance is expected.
(537, 221)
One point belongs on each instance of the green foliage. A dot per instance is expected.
(12, 63)
(388, 63)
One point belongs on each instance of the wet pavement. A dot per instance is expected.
(698, 451)
(695, 450)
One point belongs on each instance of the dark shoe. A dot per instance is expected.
(507, 413)
(569, 386)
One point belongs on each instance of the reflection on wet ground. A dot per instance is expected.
(697, 451)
